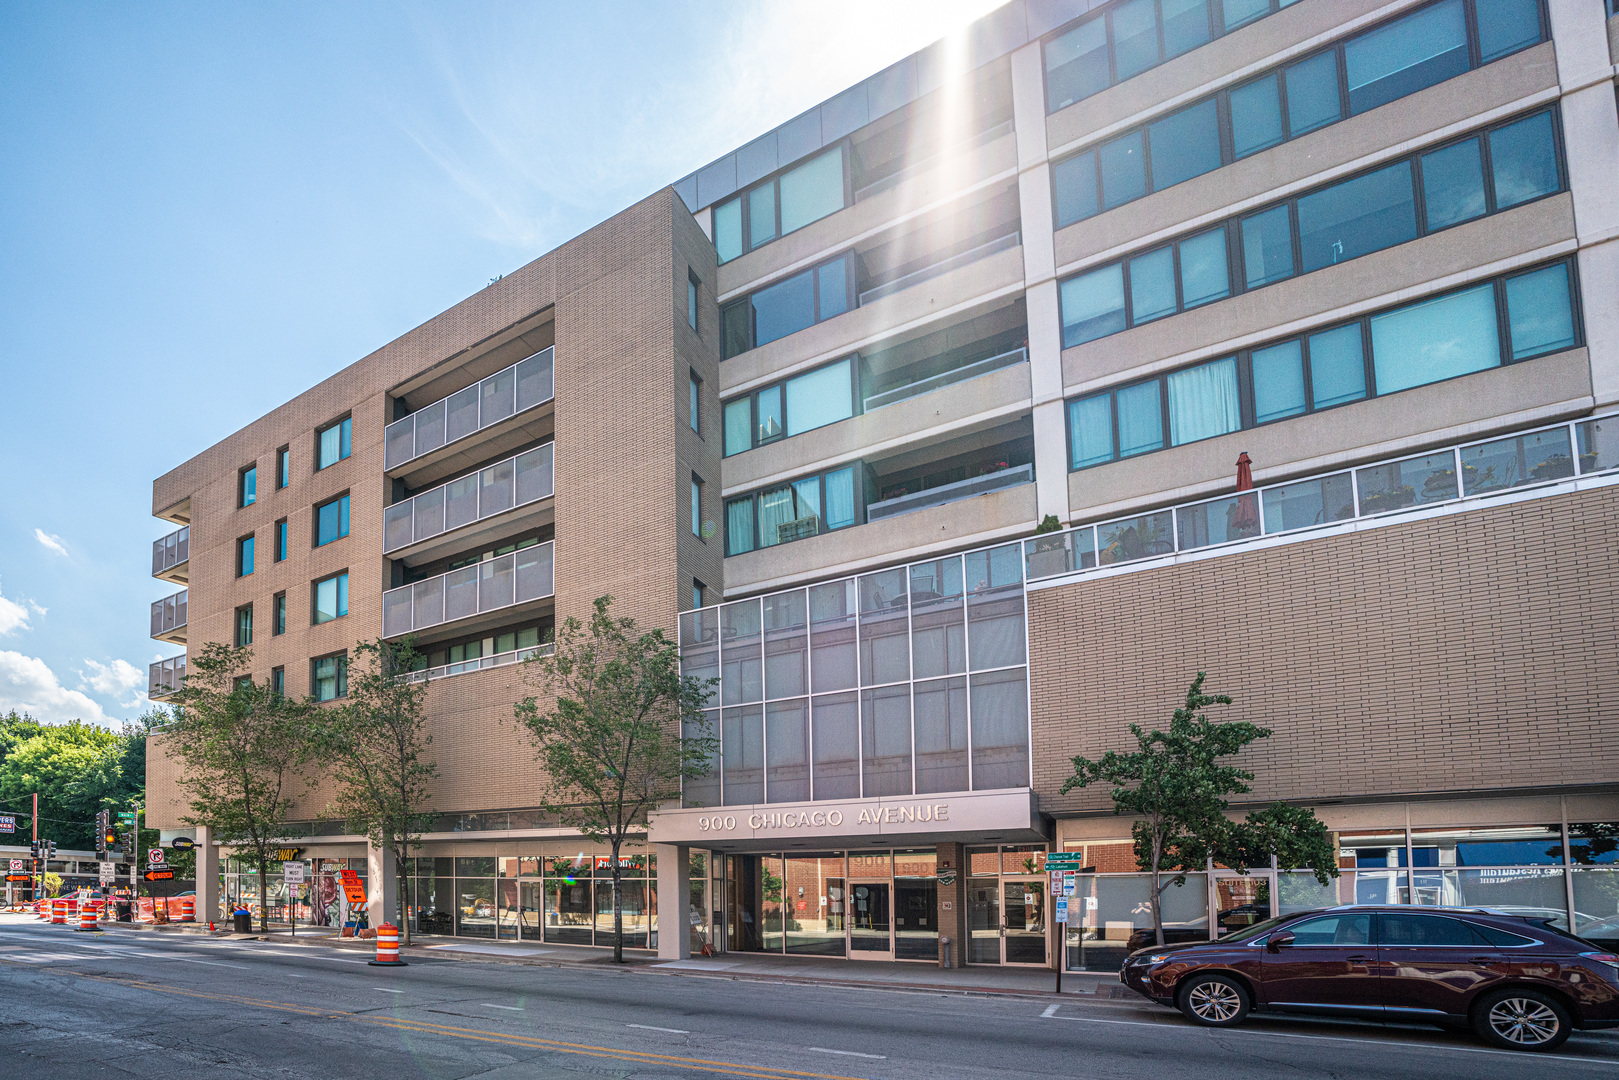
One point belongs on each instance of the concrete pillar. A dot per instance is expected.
(208, 899)
(674, 901)
(381, 886)
(952, 912)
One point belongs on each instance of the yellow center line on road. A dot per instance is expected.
(531, 1042)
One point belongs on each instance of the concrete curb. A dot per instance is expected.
(1101, 992)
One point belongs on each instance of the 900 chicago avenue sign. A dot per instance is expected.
(821, 819)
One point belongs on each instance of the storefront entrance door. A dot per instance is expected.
(984, 920)
(1024, 909)
(871, 923)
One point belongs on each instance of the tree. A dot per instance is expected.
(78, 770)
(612, 743)
(243, 749)
(375, 747)
(1180, 791)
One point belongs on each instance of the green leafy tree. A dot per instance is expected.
(1178, 786)
(376, 747)
(624, 727)
(245, 754)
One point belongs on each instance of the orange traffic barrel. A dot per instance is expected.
(87, 916)
(388, 947)
(188, 909)
(59, 912)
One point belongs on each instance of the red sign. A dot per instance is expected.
(18, 877)
(352, 889)
(159, 875)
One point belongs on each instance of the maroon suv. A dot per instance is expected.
(1519, 983)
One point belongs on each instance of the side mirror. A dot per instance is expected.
(1275, 942)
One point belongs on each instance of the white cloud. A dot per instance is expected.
(120, 680)
(51, 541)
(27, 684)
(13, 616)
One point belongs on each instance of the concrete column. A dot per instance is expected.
(381, 887)
(208, 909)
(952, 914)
(674, 901)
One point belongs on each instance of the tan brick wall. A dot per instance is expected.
(1468, 653)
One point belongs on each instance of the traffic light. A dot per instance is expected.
(50, 849)
(105, 836)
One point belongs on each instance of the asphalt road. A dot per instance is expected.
(168, 1006)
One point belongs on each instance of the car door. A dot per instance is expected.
(1433, 964)
(1325, 964)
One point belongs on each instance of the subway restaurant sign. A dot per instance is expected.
(1010, 814)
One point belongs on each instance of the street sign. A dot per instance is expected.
(1068, 882)
(1065, 860)
(292, 873)
(109, 872)
(18, 864)
(1062, 910)
(14, 878)
(8, 823)
(155, 856)
(159, 875)
(182, 843)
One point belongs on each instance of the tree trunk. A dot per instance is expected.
(618, 910)
(264, 897)
(1157, 892)
(402, 879)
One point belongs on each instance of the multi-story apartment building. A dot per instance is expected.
(817, 407)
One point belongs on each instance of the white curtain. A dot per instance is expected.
(1203, 402)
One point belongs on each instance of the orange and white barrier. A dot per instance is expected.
(188, 909)
(59, 912)
(87, 917)
(388, 947)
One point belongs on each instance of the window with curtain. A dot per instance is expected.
(1424, 48)
(334, 443)
(1203, 401)
(331, 598)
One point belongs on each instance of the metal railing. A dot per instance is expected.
(1546, 455)
(171, 550)
(943, 266)
(471, 590)
(515, 656)
(966, 371)
(946, 493)
(507, 392)
(169, 613)
(506, 485)
(165, 677)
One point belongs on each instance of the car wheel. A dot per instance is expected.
(1214, 1001)
(1521, 1020)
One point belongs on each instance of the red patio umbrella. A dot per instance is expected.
(1245, 516)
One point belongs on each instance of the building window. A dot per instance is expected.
(331, 598)
(283, 467)
(248, 486)
(278, 681)
(333, 443)
(330, 677)
(331, 520)
(1500, 167)
(798, 196)
(802, 403)
(244, 626)
(695, 406)
(697, 590)
(278, 614)
(788, 306)
(691, 299)
(244, 556)
(281, 540)
(241, 683)
(792, 511)
(1415, 344)
(1388, 62)
(696, 506)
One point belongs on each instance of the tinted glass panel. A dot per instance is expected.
(738, 526)
(1186, 25)
(1152, 285)
(1505, 26)
(1256, 116)
(1092, 305)
(738, 426)
(1358, 216)
(885, 741)
(837, 746)
(728, 230)
(1185, 145)
(1337, 366)
(812, 190)
(941, 735)
(784, 308)
(1332, 930)
(1424, 930)
(1075, 182)
(840, 506)
(1123, 177)
(787, 768)
(769, 414)
(735, 329)
(1000, 730)
(1523, 157)
(1312, 94)
(819, 398)
(1141, 425)
(1539, 316)
(1278, 382)
(1448, 336)
(1135, 38)
(1453, 184)
(1076, 64)
(834, 289)
(1203, 401)
(1418, 51)
(1090, 431)
(1267, 247)
(1238, 12)
(761, 214)
(742, 753)
(1509, 463)
(1204, 273)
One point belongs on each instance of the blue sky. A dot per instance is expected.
(206, 208)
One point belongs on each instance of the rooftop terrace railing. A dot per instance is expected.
(525, 385)
(171, 550)
(169, 613)
(506, 485)
(489, 585)
(1463, 472)
(514, 656)
(165, 677)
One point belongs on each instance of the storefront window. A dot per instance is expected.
(1529, 845)
(1111, 915)
(916, 905)
(475, 906)
(568, 916)
(1596, 905)
(814, 899)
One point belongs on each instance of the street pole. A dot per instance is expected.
(39, 876)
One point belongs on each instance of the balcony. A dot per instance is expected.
(948, 493)
(955, 375)
(170, 555)
(490, 586)
(943, 266)
(450, 513)
(169, 618)
(510, 392)
(165, 677)
(481, 663)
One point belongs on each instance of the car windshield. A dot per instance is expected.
(1248, 933)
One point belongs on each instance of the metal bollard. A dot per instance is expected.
(388, 947)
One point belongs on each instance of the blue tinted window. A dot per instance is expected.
(834, 288)
(1539, 315)
(1416, 52)
(738, 425)
(1438, 339)
(1312, 94)
(331, 521)
(280, 540)
(762, 214)
(1152, 286)
(739, 526)
(1075, 183)
(1186, 25)
(784, 308)
(331, 598)
(1203, 401)
(812, 190)
(1090, 430)
(1278, 382)
(1505, 26)
(728, 230)
(819, 398)
(1267, 247)
(1256, 116)
(1185, 144)
(1141, 420)
(770, 418)
(1204, 275)
(840, 498)
(1238, 12)
(1523, 160)
(1092, 305)
(1337, 369)
(1453, 184)
(250, 486)
(1135, 38)
(244, 557)
(1367, 213)
(1076, 64)
(1123, 177)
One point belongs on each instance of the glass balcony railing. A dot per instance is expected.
(966, 371)
(171, 550)
(1460, 473)
(165, 677)
(169, 614)
(478, 664)
(506, 485)
(946, 493)
(522, 386)
(472, 590)
(942, 267)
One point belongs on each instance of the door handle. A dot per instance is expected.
(1358, 959)
(1482, 960)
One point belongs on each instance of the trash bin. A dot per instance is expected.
(241, 921)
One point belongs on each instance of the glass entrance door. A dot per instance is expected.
(1240, 900)
(984, 920)
(1024, 907)
(871, 923)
